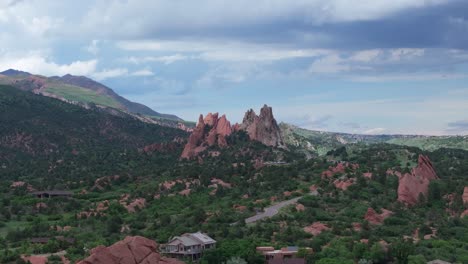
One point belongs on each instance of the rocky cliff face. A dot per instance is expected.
(131, 250)
(263, 127)
(209, 131)
(213, 130)
(411, 185)
(374, 218)
(465, 195)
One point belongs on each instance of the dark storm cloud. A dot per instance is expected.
(432, 27)
(441, 26)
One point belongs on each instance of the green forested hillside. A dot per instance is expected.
(102, 159)
(320, 142)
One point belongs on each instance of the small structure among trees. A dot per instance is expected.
(188, 246)
(51, 194)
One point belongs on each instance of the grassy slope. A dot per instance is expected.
(433, 143)
(75, 93)
(325, 141)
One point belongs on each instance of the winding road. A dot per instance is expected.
(274, 209)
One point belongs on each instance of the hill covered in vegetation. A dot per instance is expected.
(127, 178)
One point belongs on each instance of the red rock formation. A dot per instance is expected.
(201, 138)
(357, 226)
(41, 205)
(465, 213)
(376, 219)
(35, 259)
(340, 168)
(139, 203)
(100, 208)
(159, 147)
(343, 185)
(313, 188)
(185, 192)
(300, 207)
(465, 195)
(263, 127)
(240, 208)
(131, 250)
(101, 183)
(316, 228)
(411, 185)
(20, 184)
(367, 175)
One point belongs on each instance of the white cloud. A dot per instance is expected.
(109, 73)
(38, 64)
(406, 77)
(375, 131)
(366, 55)
(167, 59)
(93, 47)
(329, 64)
(143, 72)
(405, 54)
(216, 51)
(175, 16)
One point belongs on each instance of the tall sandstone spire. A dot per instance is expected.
(412, 185)
(202, 138)
(263, 127)
(213, 130)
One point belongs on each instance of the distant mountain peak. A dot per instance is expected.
(13, 73)
(63, 86)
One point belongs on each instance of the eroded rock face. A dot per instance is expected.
(411, 185)
(213, 130)
(376, 219)
(340, 168)
(465, 195)
(209, 131)
(131, 250)
(263, 127)
(316, 228)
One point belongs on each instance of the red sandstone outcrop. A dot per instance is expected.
(465, 213)
(240, 208)
(159, 147)
(139, 203)
(340, 168)
(465, 195)
(131, 250)
(316, 228)
(367, 175)
(35, 259)
(202, 138)
(132, 206)
(300, 207)
(376, 219)
(41, 205)
(357, 226)
(185, 192)
(411, 185)
(220, 182)
(212, 130)
(343, 184)
(19, 184)
(101, 183)
(100, 208)
(263, 127)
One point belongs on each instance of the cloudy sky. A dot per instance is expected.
(368, 66)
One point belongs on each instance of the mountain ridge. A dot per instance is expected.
(77, 88)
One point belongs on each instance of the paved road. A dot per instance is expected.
(274, 209)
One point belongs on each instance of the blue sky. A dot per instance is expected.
(352, 66)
